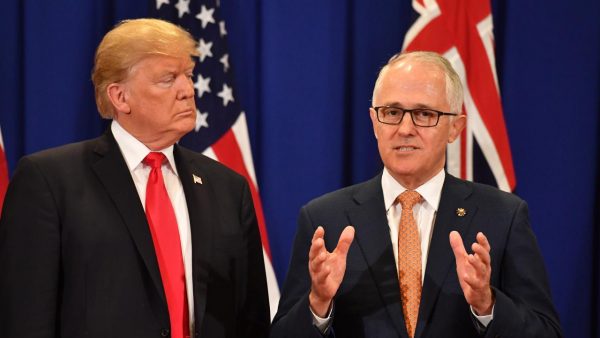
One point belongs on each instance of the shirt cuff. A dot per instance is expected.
(484, 320)
(322, 324)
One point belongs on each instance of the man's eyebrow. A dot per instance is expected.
(393, 104)
(399, 105)
(421, 106)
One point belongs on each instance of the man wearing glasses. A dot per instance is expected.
(385, 258)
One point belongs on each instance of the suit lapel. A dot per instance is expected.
(198, 189)
(373, 238)
(440, 260)
(112, 171)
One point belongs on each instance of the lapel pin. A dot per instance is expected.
(460, 212)
(197, 180)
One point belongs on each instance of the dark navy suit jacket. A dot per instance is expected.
(77, 258)
(368, 301)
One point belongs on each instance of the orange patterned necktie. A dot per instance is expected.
(165, 236)
(409, 260)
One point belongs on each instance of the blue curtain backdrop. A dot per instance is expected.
(305, 72)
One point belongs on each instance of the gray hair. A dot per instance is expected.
(454, 88)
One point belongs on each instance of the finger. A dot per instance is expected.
(481, 253)
(319, 233)
(471, 282)
(483, 241)
(471, 273)
(475, 282)
(316, 263)
(466, 277)
(322, 275)
(479, 268)
(345, 240)
(478, 272)
(317, 246)
(458, 247)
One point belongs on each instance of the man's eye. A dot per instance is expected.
(424, 113)
(393, 112)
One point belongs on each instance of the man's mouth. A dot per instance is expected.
(187, 112)
(405, 148)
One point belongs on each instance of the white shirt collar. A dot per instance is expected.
(135, 151)
(430, 190)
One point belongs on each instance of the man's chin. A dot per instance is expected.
(402, 172)
(186, 125)
(402, 167)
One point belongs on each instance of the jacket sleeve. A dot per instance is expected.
(524, 305)
(29, 255)
(254, 315)
(293, 318)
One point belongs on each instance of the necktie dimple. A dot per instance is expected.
(409, 260)
(165, 236)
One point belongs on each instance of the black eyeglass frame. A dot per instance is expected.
(412, 117)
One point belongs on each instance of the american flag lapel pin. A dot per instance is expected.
(197, 180)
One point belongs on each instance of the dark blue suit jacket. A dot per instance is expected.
(77, 258)
(368, 301)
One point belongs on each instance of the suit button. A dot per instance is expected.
(164, 332)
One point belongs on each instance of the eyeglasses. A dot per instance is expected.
(421, 117)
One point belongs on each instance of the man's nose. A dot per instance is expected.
(185, 88)
(406, 126)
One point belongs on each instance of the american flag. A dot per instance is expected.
(221, 131)
(3, 172)
(462, 31)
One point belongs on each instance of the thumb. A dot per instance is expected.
(457, 245)
(345, 240)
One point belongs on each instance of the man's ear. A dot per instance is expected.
(457, 125)
(373, 116)
(117, 96)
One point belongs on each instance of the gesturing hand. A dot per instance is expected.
(326, 269)
(474, 272)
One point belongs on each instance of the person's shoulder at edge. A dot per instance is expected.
(485, 192)
(346, 194)
(66, 153)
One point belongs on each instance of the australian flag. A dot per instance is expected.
(462, 31)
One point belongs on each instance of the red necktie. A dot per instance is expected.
(409, 260)
(165, 235)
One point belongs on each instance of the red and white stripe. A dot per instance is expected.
(3, 171)
(233, 150)
(462, 31)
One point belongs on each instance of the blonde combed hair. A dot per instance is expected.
(128, 43)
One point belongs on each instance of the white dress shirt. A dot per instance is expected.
(134, 152)
(424, 214)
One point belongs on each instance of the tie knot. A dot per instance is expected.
(408, 199)
(154, 159)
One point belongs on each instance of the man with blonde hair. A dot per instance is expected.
(385, 258)
(129, 234)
